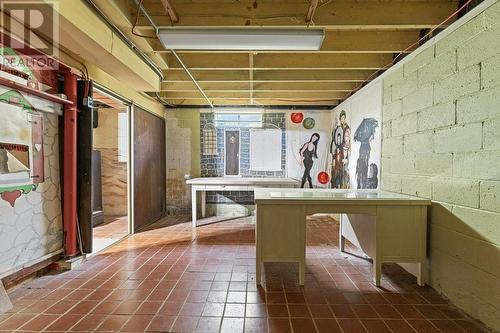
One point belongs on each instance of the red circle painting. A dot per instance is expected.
(297, 117)
(323, 177)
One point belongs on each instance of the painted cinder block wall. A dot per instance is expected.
(441, 140)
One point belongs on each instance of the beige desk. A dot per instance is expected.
(205, 184)
(399, 230)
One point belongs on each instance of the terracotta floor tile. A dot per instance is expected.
(279, 325)
(39, 322)
(234, 310)
(88, 323)
(408, 311)
(60, 307)
(113, 323)
(213, 310)
(422, 326)
(256, 310)
(209, 324)
(298, 311)
(137, 323)
(65, 322)
(232, 325)
(343, 311)
(105, 307)
(446, 326)
(327, 325)
(320, 311)
(364, 311)
(127, 308)
(161, 323)
(399, 325)
(185, 324)
(303, 325)
(351, 326)
(168, 277)
(170, 309)
(277, 310)
(375, 326)
(276, 298)
(192, 309)
(256, 325)
(256, 297)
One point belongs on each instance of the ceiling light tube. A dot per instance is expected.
(253, 39)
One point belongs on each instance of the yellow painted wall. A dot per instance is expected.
(183, 156)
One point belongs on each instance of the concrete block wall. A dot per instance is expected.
(441, 121)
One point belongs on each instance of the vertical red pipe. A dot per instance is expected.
(70, 167)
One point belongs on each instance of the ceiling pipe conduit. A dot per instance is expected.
(125, 39)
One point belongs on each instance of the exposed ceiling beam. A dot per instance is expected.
(311, 10)
(263, 94)
(284, 75)
(277, 61)
(170, 10)
(260, 85)
(348, 14)
(257, 101)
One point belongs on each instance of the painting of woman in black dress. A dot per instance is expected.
(307, 153)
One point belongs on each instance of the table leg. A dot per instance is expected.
(341, 237)
(422, 274)
(203, 203)
(193, 206)
(302, 272)
(258, 271)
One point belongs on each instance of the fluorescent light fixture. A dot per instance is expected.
(252, 39)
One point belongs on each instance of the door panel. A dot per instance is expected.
(232, 153)
(149, 168)
(84, 158)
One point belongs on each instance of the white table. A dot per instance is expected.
(395, 231)
(205, 184)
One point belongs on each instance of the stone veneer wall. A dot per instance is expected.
(441, 140)
(32, 229)
(213, 165)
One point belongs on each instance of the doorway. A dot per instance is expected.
(232, 158)
(110, 167)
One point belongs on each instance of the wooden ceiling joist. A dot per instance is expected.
(311, 10)
(348, 14)
(170, 10)
(361, 39)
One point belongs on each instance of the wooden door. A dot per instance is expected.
(149, 168)
(232, 153)
(84, 162)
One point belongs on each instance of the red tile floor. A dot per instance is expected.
(110, 231)
(175, 279)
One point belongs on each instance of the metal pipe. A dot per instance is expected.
(192, 78)
(125, 39)
(70, 166)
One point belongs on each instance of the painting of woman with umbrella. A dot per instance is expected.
(364, 134)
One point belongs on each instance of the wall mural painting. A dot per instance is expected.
(365, 133)
(21, 147)
(309, 151)
(307, 156)
(340, 149)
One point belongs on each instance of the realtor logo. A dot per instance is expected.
(30, 28)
